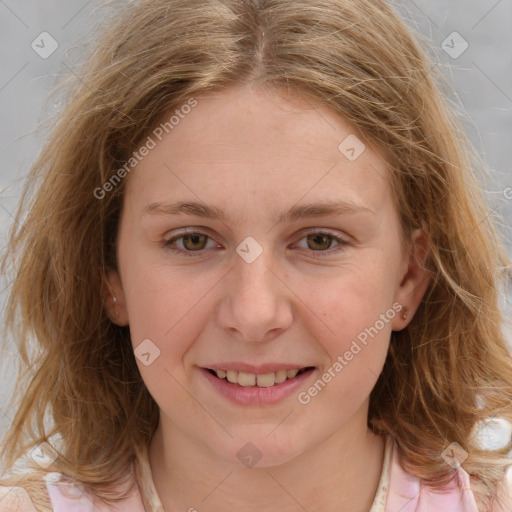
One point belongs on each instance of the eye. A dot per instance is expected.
(321, 241)
(189, 243)
(194, 243)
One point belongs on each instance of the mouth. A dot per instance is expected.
(262, 380)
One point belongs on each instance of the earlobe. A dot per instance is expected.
(114, 299)
(414, 283)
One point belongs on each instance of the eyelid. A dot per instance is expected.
(199, 230)
(325, 231)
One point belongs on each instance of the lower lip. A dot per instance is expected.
(253, 395)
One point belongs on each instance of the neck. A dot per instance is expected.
(342, 473)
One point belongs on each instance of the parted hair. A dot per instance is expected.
(448, 371)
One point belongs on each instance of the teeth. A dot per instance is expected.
(231, 375)
(246, 379)
(280, 376)
(265, 380)
(291, 373)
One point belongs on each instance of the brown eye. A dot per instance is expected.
(319, 241)
(189, 244)
(322, 243)
(194, 241)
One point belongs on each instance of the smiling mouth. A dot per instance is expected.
(265, 380)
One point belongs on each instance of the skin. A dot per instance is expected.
(257, 153)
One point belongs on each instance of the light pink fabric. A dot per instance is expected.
(407, 494)
(65, 498)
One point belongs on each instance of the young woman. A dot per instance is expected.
(257, 273)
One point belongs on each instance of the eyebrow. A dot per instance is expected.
(295, 213)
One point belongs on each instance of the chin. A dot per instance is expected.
(261, 450)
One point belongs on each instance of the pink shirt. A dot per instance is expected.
(397, 492)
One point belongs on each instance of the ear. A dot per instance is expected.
(114, 299)
(415, 281)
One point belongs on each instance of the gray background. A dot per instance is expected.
(482, 77)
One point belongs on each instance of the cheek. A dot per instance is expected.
(170, 315)
(171, 307)
(354, 331)
(346, 306)
(350, 317)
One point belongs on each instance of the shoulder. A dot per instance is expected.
(56, 492)
(407, 493)
(15, 499)
(65, 496)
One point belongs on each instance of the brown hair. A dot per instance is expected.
(445, 373)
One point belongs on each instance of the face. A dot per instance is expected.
(252, 244)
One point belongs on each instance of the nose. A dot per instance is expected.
(255, 305)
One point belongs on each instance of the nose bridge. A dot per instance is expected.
(255, 303)
(253, 280)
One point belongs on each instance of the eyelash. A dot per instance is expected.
(167, 244)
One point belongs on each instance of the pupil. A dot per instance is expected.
(194, 238)
(322, 240)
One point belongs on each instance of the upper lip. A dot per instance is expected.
(256, 369)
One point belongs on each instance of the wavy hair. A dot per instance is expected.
(79, 382)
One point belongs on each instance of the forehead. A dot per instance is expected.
(267, 147)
